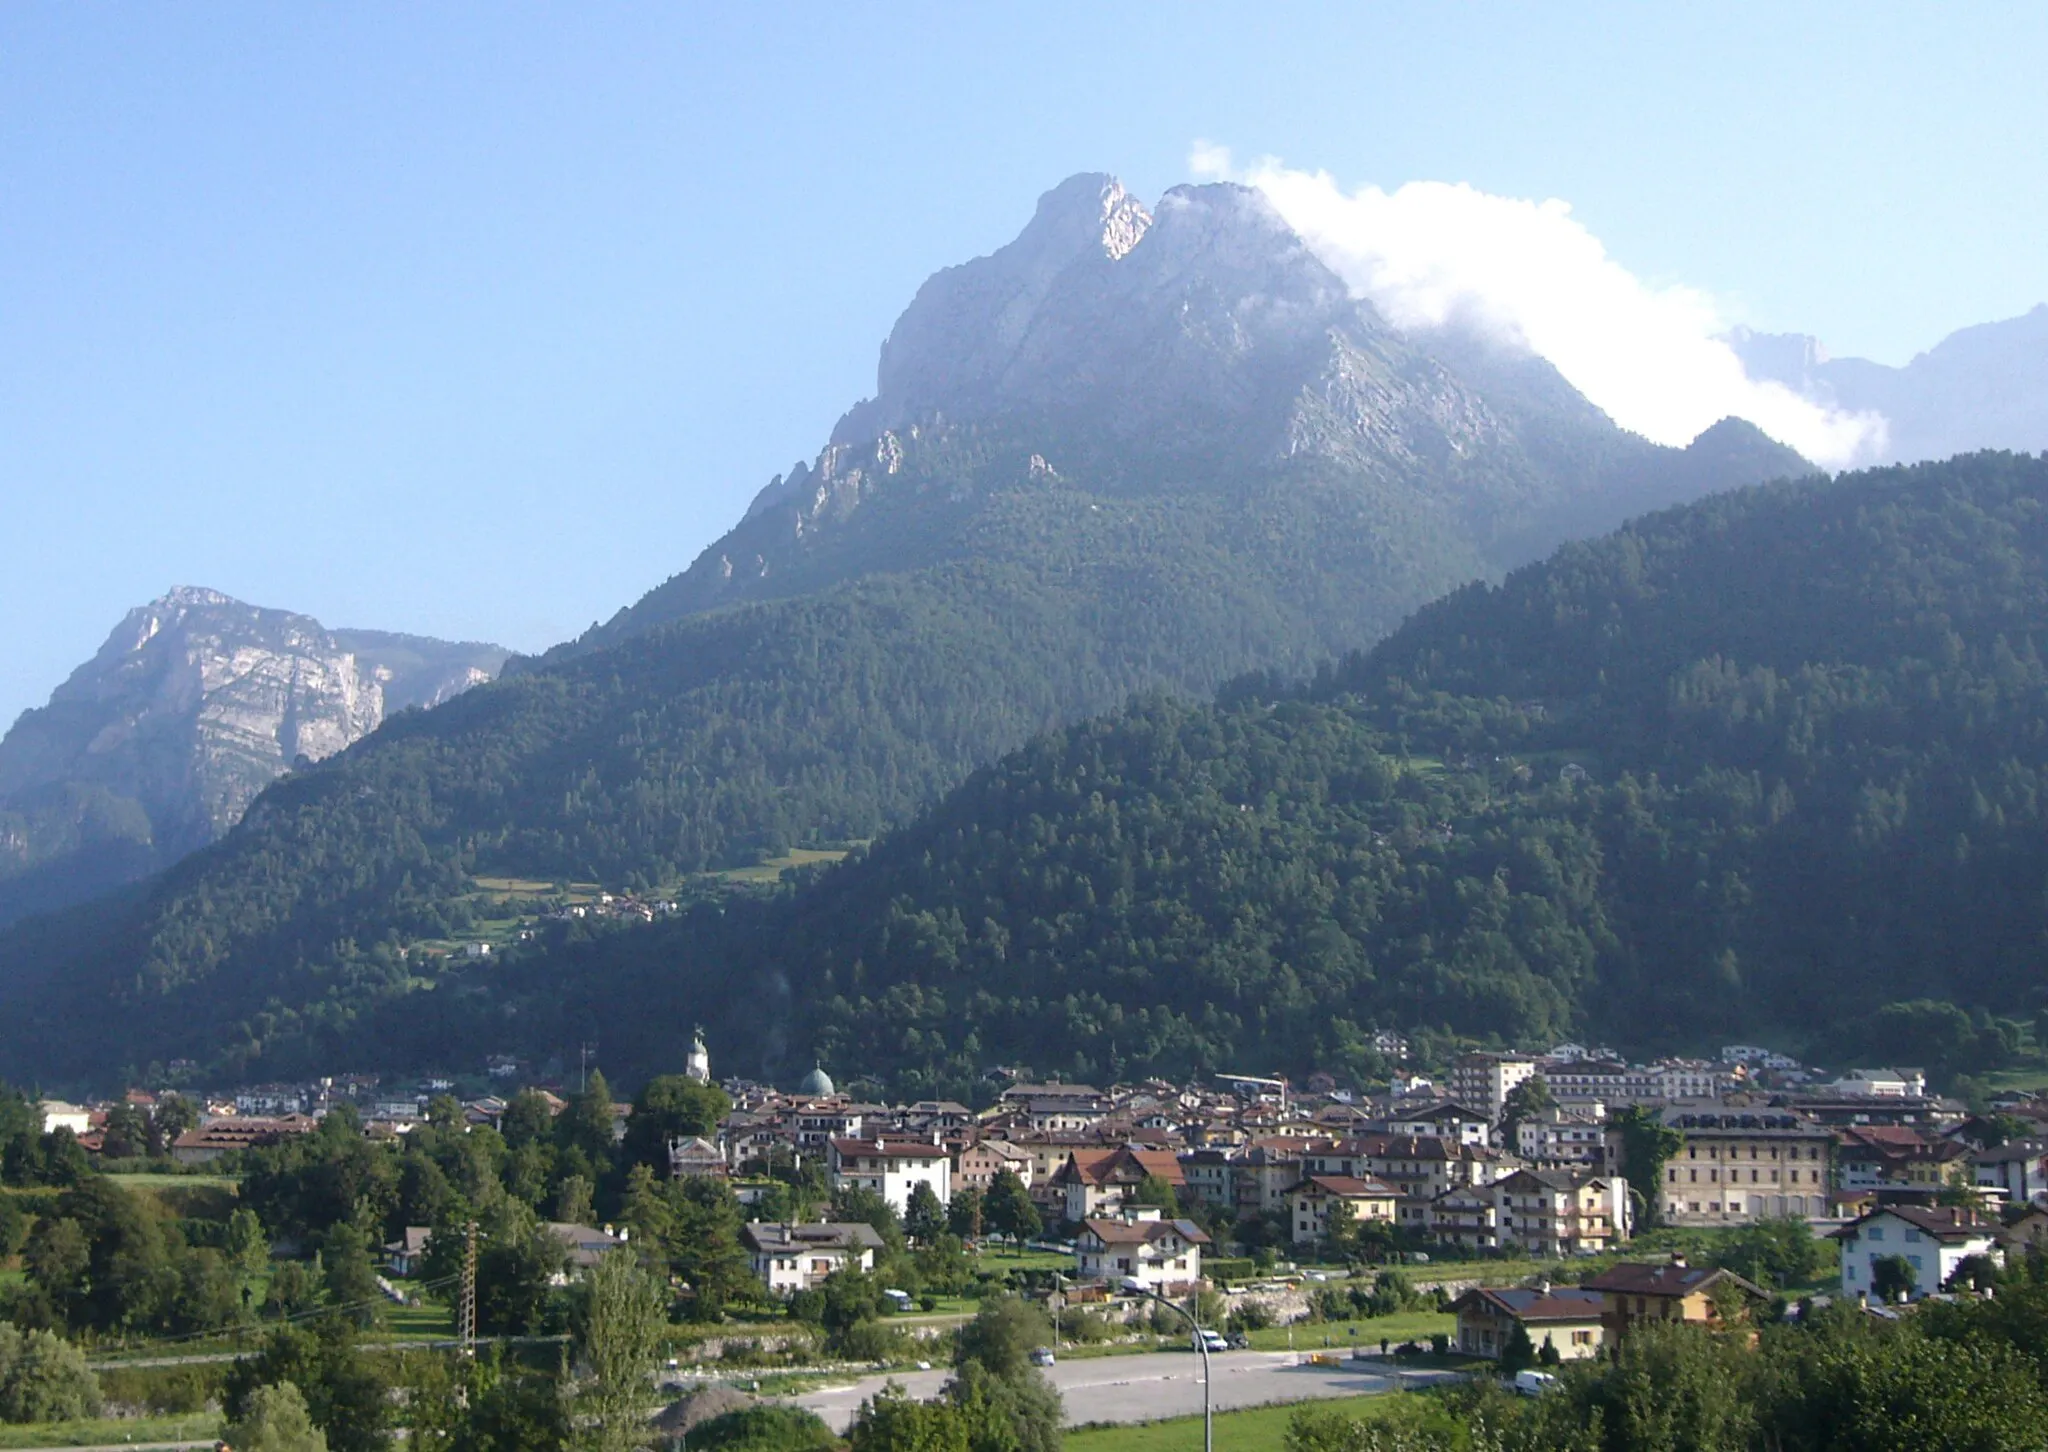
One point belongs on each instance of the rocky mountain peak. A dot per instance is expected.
(196, 702)
(1099, 307)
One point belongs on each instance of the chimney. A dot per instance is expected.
(1678, 1260)
(1543, 1288)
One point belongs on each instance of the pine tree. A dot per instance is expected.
(618, 1335)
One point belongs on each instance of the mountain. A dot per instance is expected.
(1984, 387)
(1182, 359)
(195, 703)
(1133, 451)
(1773, 765)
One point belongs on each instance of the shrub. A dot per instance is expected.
(44, 1378)
(868, 1341)
(762, 1429)
(163, 1390)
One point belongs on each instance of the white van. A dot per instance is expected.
(1533, 1383)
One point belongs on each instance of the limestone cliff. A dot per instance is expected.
(194, 704)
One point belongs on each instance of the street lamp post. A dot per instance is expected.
(1138, 1287)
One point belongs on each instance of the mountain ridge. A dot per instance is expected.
(1234, 467)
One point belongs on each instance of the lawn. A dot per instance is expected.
(1402, 1326)
(110, 1431)
(430, 1320)
(1255, 1429)
(1003, 1258)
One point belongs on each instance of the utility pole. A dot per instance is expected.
(465, 1315)
(583, 1069)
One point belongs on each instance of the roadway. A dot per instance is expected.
(1147, 1387)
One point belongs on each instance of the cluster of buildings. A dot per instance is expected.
(1463, 1161)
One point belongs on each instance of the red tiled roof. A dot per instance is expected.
(1140, 1232)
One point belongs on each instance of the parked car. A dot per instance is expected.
(1211, 1341)
(1533, 1383)
(1042, 1356)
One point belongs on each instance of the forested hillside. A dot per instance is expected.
(1268, 476)
(1761, 766)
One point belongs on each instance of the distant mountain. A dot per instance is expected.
(196, 702)
(1132, 451)
(1985, 387)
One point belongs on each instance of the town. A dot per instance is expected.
(1555, 1156)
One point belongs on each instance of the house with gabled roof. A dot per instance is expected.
(1163, 1255)
(1311, 1199)
(791, 1258)
(1566, 1318)
(1673, 1290)
(1093, 1180)
(1933, 1240)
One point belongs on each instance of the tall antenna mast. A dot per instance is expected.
(465, 1322)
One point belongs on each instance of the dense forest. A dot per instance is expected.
(1769, 765)
(1018, 601)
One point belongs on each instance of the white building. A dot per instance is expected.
(59, 1115)
(1560, 1135)
(2020, 1168)
(1881, 1084)
(1682, 1079)
(892, 1168)
(1164, 1256)
(796, 1257)
(1932, 1241)
(1485, 1080)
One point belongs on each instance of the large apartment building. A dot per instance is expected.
(1737, 1167)
(1485, 1080)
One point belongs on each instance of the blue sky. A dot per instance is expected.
(481, 320)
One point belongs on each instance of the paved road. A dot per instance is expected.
(1159, 1384)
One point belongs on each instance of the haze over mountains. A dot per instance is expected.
(1136, 450)
(1983, 387)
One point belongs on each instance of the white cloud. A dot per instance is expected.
(1433, 252)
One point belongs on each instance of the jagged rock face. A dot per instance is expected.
(1108, 348)
(193, 705)
(1205, 326)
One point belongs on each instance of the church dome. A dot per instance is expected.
(817, 1083)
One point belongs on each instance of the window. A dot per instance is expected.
(1912, 1237)
(1914, 1260)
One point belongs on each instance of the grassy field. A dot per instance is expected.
(1403, 1326)
(109, 1431)
(2030, 1079)
(1256, 1429)
(157, 1180)
(771, 870)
